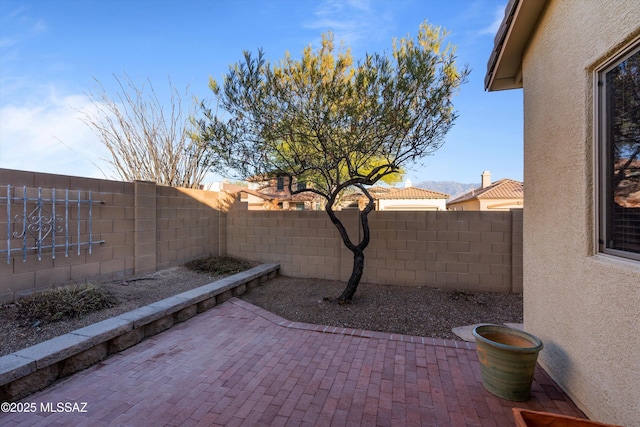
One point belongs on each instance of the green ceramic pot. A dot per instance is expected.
(507, 360)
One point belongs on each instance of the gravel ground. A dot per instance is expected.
(419, 311)
(410, 310)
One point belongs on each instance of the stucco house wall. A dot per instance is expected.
(487, 205)
(500, 205)
(468, 205)
(583, 305)
(412, 204)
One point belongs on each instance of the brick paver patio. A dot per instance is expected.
(237, 364)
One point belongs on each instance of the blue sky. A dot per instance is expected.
(51, 52)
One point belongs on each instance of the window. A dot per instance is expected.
(280, 183)
(302, 185)
(618, 154)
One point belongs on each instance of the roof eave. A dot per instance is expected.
(504, 68)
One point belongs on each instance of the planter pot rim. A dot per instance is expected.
(536, 343)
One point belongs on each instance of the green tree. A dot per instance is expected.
(336, 124)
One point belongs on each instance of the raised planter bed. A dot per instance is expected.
(34, 368)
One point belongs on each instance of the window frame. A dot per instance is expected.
(602, 149)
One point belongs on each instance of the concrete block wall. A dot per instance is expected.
(305, 244)
(448, 249)
(476, 251)
(146, 227)
(189, 225)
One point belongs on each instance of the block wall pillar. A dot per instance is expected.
(145, 228)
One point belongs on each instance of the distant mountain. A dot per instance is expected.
(452, 188)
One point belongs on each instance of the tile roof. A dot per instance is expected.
(412, 193)
(376, 192)
(501, 189)
(380, 190)
(253, 193)
(282, 195)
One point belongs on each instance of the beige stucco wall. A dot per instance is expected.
(500, 204)
(469, 205)
(584, 306)
(495, 205)
(412, 204)
(254, 202)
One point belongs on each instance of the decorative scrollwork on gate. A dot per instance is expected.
(41, 222)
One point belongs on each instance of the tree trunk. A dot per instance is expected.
(358, 254)
(358, 250)
(354, 280)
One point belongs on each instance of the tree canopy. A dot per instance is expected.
(335, 123)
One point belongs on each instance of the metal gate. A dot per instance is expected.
(43, 225)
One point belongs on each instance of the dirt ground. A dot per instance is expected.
(410, 310)
(16, 333)
(419, 311)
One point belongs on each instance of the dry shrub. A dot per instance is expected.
(218, 265)
(69, 302)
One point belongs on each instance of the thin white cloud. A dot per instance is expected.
(351, 22)
(38, 27)
(19, 28)
(7, 42)
(22, 25)
(50, 137)
(498, 16)
(364, 5)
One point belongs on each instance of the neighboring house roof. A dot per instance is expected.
(411, 193)
(231, 188)
(266, 194)
(504, 69)
(375, 192)
(223, 186)
(391, 193)
(255, 193)
(501, 189)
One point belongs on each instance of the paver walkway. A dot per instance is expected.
(237, 364)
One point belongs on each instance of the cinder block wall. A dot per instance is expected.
(478, 251)
(146, 227)
(449, 249)
(305, 244)
(189, 225)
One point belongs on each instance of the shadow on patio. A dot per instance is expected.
(238, 364)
